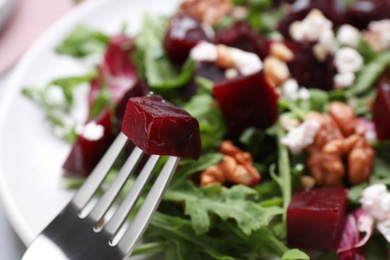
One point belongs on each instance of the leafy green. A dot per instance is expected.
(83, 41)
(318, 100)
(295, 254)
(160, 73)
(227, 204)
(102, 100)
(370, 74)
(211, 122)
(58, 112)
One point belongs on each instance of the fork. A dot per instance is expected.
(81, 231)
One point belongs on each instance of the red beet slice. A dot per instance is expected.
(316, 218)
(183, 33)
(247, 101)
(158, 127)
(381, 111)
(86, 153)
(242, 36)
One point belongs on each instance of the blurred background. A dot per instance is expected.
(21, 22)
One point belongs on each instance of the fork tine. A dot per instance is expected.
(130, 238)
(111, 193)
(91, 184)
(120, 215)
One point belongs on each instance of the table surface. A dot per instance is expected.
(11, 247)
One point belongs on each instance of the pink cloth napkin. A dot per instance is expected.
(29, 19)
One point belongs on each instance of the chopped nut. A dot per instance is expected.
(224, 58)
(308, 182)
(276, 71)
(236, 167)
(209, 11)
(333, 154)
(320, 52)
(280, 51)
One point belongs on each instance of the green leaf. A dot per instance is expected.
(227, 204)
(318, 100)
(370, 74)
(83, 41)
(158, 69)
(295, 254)
(212, 125)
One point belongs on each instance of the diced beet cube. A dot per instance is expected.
(316, 218)
(381, 111)
(86, 153)
(183, 33)
(242, 36)
(158, 127)
(247, 101)
(308, 70)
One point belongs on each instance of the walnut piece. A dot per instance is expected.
(235, 167)
(339, 149)
(208, 11)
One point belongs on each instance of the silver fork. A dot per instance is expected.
(82, 233)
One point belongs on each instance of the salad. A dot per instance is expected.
(293, 104)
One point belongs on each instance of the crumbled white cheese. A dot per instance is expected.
(300, 137)
(348, 60)
(311, 27)
(384, 228)
(376, 201)
(292, 91)
(348, 35)
(328, 40)
(304, 93)
(55, 96)
(246, 62)
(209, 31)
(343, 80)
(93, 131)
(231, 73)
(382, 28)
(204, 51)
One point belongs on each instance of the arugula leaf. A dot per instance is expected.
(212, 125)
(159, 71)
(227, 204)
(318, 100)
(295, 254)
(58, 112)
(369, 75)
(83, 41)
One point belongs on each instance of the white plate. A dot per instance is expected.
(30, 156)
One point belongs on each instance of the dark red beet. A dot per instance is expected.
(118, 73)
(86, 153)
(308, 70)
(158, 127)
(381, 111)
(183, 33)
(247, 101)
(332, 9)
(316, 218)
(242, 36)
(362, 12)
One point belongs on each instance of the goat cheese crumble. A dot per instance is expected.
(92, 131)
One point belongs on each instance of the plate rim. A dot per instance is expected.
(10, 88)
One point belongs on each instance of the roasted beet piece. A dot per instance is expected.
(86, 153)
(308, 70)
(362, 12)
(332, 9)
(183, 33)
(158, 127)
(118, 73)
(247, 101)
(381, 111)
(242, 36)
(316, 218)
